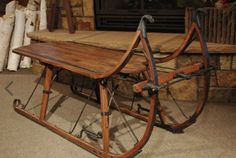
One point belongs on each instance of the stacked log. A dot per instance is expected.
(30, 26)
(11, 7)
(218, 24)
(23, 20)
(6, 27)
(17, 39)
(43, 15)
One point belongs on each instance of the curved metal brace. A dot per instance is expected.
(142, 24)
(198, 14)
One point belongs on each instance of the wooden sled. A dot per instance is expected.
(103, 65)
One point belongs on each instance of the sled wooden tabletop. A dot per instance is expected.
(79, 58)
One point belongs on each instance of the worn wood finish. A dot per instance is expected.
(105, 118)
(219, 24)
(164, 78)
(86, 60)
(61, 132)
(52, 15)
(69, 14)
(46, 91)
(70, 20)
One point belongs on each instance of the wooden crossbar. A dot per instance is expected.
(164, 78)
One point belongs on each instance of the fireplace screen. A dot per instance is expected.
(125, 14)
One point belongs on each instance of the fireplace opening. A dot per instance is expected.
(125, 15)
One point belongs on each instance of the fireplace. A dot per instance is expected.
(125, 15)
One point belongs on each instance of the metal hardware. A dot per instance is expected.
(198, 13)
(184, 76)
(81, 113)
(90, 134)
(47, 91)
(17, 103)
(140, 108)
(108, 113)
(122, 115)
(151, 88)
(142, 24)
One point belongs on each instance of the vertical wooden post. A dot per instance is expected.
(105, 118)
(69, 15)
(52, 14)
(46, 91)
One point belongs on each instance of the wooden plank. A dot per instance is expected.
(235, 27)
(215, 26)
(205, 24)
(47, 86)
(228, 30)
(233, 21)
(191, 13)
(105, 118)
(86, 60)
(224, 27)
(52, 15)
(219, 25)
(210, 26)
(69, 15)
(186, 20)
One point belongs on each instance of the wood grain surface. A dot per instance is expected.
(79, 58)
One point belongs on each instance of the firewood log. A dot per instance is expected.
(29, 27)
(17, 39)
(43, 15)
(6, 27)
(11, 7)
